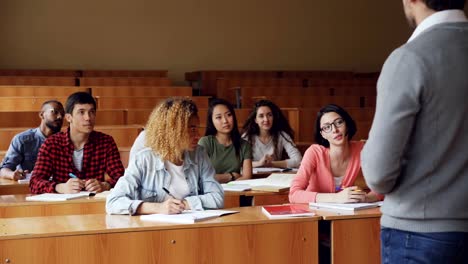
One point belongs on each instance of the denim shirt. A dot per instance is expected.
(23, 150)
(146, 176)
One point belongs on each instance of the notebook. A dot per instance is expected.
(287, 210)
(235, 187)
(50, 197)
(186, 217)
(345, 206)
(276, 182)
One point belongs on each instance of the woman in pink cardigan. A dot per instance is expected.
(329, 169)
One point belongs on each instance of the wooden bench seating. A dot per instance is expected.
(124, 73)
(354, 90)
(124, 136)
(205, 81)
(355, 82)
(141, 91)
(27, 103)
(310, 101)
(37, 80)
(39, 91)
(225, 86)
(37, 72)
(124, 81)
(136, 102)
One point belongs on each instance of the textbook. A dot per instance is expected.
(234, 187)
(276, 182)
(186, 217)
(345, 206)
(287, 210)
(51, 197)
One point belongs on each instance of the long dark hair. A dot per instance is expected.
(350, 124)
(211, 129)
(280, 124)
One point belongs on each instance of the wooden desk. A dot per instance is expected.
(13, 187)
(246, 237)
(17, 206)
(355, 237)
(256, 198)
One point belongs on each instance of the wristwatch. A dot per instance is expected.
(233, 178)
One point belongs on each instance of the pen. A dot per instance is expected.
(168, 193)
(72, 175)
(339, 188)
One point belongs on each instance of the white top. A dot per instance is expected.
(446, 16)
(78, 159)
(138, 145)
(338, 181)
(259, 149)
(178, 187)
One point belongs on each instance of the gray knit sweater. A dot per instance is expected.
(417, 149)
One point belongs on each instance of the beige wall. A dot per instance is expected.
(182, 35)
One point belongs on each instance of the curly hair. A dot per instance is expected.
(167, 132)
(280, 124)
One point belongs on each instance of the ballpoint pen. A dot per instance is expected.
(72, 175)
(168, 193)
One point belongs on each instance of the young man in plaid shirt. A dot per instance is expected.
(78, 159)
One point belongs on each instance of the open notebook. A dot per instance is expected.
(186, 217)
(51, 197)
(276, 182)
(234, 187)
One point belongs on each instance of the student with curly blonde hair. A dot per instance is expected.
(172, 161)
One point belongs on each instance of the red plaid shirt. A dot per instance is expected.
(55, 161)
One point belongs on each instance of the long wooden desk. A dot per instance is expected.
(246, 237)
(13, 187)
(354, 236)
(254, 198)
(17, 206)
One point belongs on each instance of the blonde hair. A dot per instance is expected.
(167, 132)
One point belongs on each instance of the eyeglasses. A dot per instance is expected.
(327, 127)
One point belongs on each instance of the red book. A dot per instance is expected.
(287, 210)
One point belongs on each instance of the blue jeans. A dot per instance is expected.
(404, 247)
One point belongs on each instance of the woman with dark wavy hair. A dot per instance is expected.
(269, 133)
(330, 168)
(230, 154)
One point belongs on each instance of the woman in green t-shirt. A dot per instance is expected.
(230, 154)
